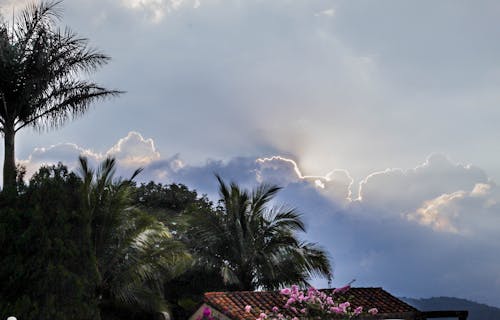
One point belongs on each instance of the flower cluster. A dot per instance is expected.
(206, 315)
(313, 304)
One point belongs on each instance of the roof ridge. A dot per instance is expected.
(233, 303)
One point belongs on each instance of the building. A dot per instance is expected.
(231, 305)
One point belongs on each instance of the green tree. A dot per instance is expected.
(47, 263)
(41, 68)
(173, 204)
(135, 253)
(253, 244)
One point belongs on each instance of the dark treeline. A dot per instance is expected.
(89, 245)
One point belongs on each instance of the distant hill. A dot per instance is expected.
(477, 311)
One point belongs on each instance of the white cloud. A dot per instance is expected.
(440, 213)
(67, 153)
(157, 9)
(134, 151)
(336, 185)
(474, 213)
(131, 152)
(398, 190)
(327, 12)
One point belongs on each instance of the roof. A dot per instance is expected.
(233, 304)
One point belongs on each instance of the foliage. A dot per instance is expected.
(172, 205)
(46, 270)
(135, 252)
(41, 69)
(254, 245)
(312, 304)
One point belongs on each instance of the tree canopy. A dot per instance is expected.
(41, 76)
(253, 244)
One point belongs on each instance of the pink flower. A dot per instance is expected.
(373, 311)
(262, 316)
(358, 311)
(344, 289)
(286, 291)
(290, 301)
(275, 309)
(248, 308)
(336, 310)
(303, 310)
(206, 312)
(344, 305)
(280, 316)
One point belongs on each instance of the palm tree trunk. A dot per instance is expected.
(9, 165)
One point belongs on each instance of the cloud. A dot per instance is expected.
(157, 9)
(327, 12)
(474, 213)
(131, 152)
(398, 190)
(67, 153)
(134, 150)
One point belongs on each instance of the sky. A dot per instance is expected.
(378, 118)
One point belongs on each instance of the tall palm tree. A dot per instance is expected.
(255, 245)
(135, 253)
(40, 76)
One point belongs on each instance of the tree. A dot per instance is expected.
(40, 76)
(135, 253)
(47, 263)
(255, 245)
(173, 204)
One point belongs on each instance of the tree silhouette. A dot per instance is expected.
(254, 245)
(40, 76)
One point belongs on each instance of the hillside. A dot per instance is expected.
(477, 311)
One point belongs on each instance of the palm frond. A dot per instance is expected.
(254, 244)
(135, 252)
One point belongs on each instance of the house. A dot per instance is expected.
(231, 305)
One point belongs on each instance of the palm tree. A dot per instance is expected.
(135, 253)
(40, 83)
(254, 245)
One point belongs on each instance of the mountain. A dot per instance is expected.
(477, 311)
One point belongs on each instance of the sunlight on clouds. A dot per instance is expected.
(466, 213)
(131, 152)
(335, 185)
(134, 150)
(439, 213)
(481, 189)
(63, 152)
(156, 9)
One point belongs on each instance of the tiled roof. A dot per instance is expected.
(233, 303)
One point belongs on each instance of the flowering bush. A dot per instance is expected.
(313, 304)
(207, 315)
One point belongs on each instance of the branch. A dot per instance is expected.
(68, 102)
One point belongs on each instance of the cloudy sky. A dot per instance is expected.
(379, 119)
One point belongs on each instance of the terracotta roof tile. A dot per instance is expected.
(233, 303)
